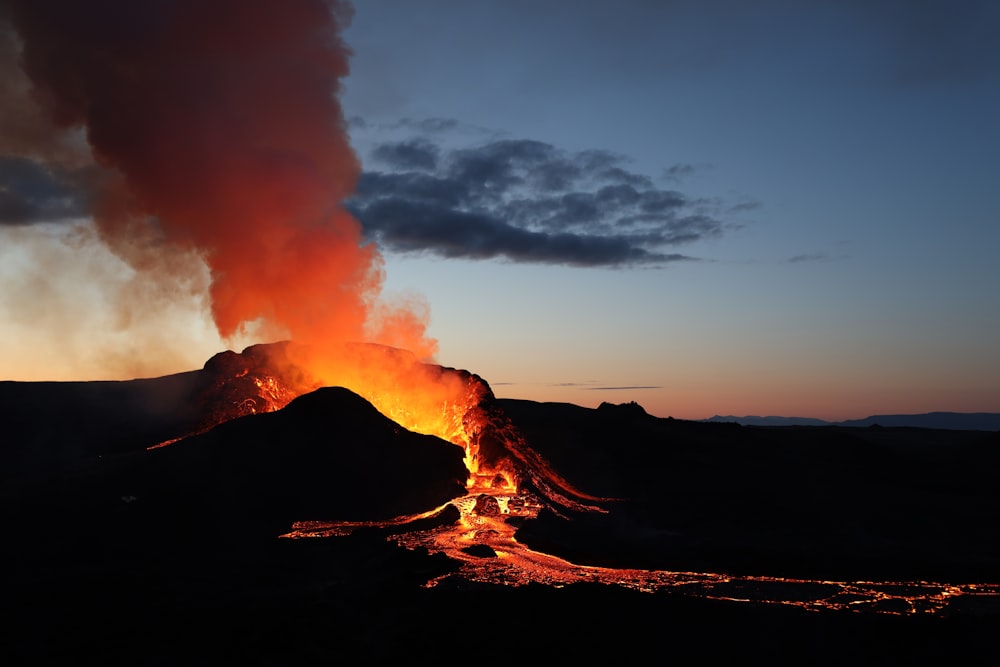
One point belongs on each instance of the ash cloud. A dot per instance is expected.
(522, 200)
(219, 134)
(27, 130)
(33, 192)
(46, 170)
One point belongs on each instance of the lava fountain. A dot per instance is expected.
(454, 405)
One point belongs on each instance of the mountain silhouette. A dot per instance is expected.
(143, 521)
(959, 421)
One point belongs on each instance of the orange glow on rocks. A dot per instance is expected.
(421, 397)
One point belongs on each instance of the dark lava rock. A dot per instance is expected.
(630, 410)
(480, 551)
(486, 505)
(810, 502)
(50, 428)
(327, 455)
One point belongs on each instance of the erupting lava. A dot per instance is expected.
(454, 405)
(483, 540)
(509, 483)
(216, 133)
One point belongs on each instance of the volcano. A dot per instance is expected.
(332, 513)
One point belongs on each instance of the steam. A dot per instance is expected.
(71, 309)
(25, 128)
(220, 139)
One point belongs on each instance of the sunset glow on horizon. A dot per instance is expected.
(705, 208)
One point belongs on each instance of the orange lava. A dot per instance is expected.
(451, 405)
(514, 564)
(510, 483)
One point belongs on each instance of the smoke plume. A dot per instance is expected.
(218, 133)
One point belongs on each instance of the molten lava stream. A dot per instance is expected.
(493, 498)
(458, 407)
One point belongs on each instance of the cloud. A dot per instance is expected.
(413, 154)
(425, 126)
(26, 128)
(429, 124)
(744, 206)
(678, 171)
(818, 257)
(523, 200)
(32, 192)
(809, 257)
(426, 227)
(594, 385)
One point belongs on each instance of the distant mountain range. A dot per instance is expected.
(963, 421)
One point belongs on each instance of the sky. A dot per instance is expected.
(711, 207)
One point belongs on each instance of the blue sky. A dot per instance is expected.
(848, 150)
(708, 207)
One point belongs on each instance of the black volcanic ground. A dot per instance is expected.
(812, 502)
(115, 554)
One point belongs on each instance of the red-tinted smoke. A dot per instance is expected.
(220, 128)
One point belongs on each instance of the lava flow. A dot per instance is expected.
(509, 483)
(483, 542)
(454, 405)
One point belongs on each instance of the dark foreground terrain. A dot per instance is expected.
(359, 599)
(813, 502)
(117, 555)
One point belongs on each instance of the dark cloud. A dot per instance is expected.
(412, 154)
(423, 126)
(555, 175)
(500, 165)
(429, 124)
(653, 201)
(32, 192)
(413, 186)
(818, 257)
(618, 195)
(678, 171)
(808, 257)
(525, 201)
(744, 206)
(619, 175)
(357, 122)
(424, 227)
